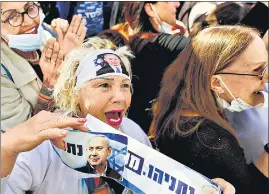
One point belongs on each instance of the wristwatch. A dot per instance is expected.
(266, 147)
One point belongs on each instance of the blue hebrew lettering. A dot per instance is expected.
(192, 190)
(181, 187)
(166, 177)
(158, 176)
(135, 163)
(173, 183)
(80, 150)
(150, 171)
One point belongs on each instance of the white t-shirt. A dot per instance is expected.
(42, 171)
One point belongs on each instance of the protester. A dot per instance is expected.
(31, 133)
(191, 10)
(79, 91)
(147, 29)
(22, 38)
(251, 125)
(227, 13)
(230, 13)
(200, 83)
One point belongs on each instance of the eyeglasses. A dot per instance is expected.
(15, 18)
(260, 75)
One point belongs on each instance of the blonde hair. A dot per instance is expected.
(65, 93)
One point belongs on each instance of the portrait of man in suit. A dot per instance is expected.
(110, 63)
(98, 151)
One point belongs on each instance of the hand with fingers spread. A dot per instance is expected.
(50, 61)
(74, 36)
(31, 133)
(60, 24)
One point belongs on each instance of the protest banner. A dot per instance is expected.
(146, 170)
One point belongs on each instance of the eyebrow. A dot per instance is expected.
(126, 79)
(24, 7)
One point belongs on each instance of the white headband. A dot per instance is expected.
(97, 65)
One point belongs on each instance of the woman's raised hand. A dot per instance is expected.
(50, 61)
(74, 36)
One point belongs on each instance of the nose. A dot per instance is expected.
(94, 153)
(118, 95)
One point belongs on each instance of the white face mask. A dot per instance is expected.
(163, 26)
(238, 105)
(27, 42)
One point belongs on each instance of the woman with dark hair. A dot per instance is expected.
(148, 28)
(200, 83)
(227, 13)
(231, 13)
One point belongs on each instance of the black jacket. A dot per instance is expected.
(152, 57)
(108, 69)
(111, 173)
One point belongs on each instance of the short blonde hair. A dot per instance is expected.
(65, 93)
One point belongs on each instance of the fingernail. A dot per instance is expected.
(64, 132)
(82, 120)
(85, 128)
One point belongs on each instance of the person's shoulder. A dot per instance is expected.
(128, 126)
(132, 129)
(85, 169)
(211, 135)
(113, 173)
(171, 42)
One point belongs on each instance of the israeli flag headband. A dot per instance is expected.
(99, 64)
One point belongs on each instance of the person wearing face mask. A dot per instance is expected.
(196, 87)
(251, 122)
(104, 96)
(148, 31)
(26, 78)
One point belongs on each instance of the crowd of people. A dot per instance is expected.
(188, 79)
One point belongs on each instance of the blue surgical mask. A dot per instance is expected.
(27, 42)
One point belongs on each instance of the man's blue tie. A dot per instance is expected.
(118, 70)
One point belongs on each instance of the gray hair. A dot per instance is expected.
(103, 136)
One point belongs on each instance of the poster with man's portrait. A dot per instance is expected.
(109, 63)
(102, 154)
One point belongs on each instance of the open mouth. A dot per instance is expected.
(114, 117)
(32, 30)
